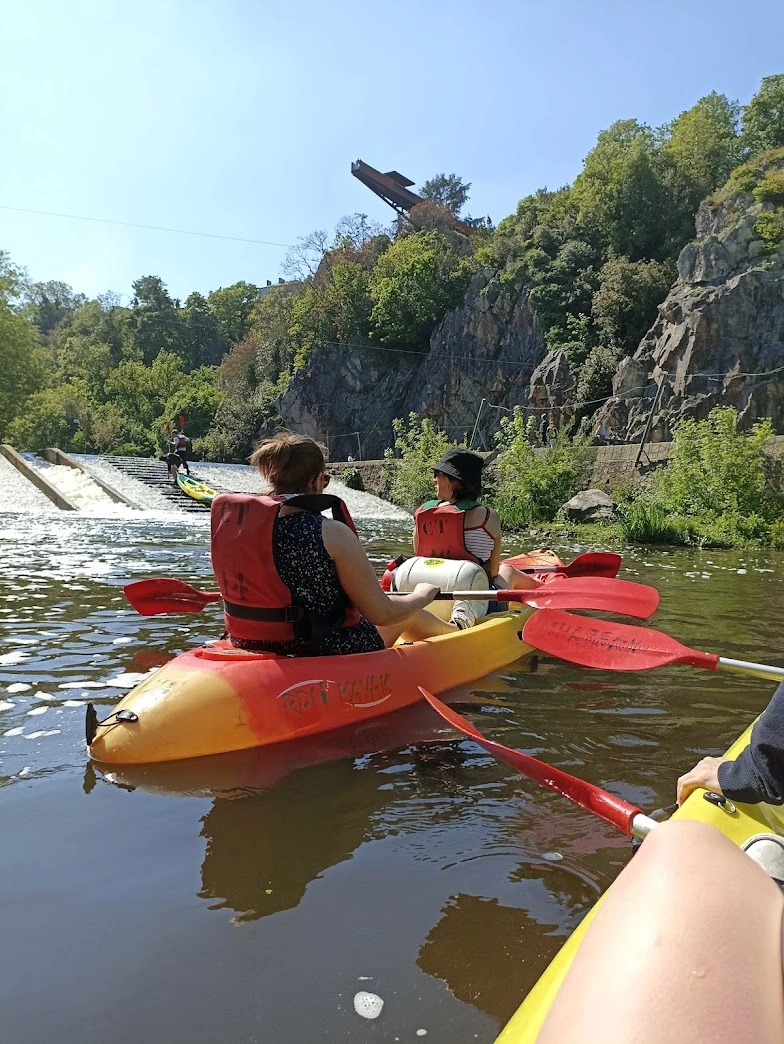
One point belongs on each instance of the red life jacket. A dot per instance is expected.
(440, 531)
(257, 604)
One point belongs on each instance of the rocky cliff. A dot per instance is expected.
(487, 348)
(719, 336)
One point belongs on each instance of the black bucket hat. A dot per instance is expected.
(462, 465)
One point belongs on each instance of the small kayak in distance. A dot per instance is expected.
(740, 823)
(195, 489)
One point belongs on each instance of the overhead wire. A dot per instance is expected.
(138, 224)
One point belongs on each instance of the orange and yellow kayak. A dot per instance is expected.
(218, 698)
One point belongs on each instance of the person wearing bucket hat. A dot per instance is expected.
(456, 526)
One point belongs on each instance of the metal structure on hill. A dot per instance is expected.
(395, 189)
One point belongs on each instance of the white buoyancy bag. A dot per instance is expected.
(446, 573)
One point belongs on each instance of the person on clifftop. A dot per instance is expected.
(296, 583)
(457, 527)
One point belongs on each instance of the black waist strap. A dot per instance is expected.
(288, 614)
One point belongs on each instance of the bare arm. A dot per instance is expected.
(361, 584)
(494, 528)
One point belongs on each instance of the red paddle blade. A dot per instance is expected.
(593, 592)
(592, 563)
(608, 646)
(161, 595)
(601, 803)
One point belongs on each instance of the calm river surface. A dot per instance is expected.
(248, 898)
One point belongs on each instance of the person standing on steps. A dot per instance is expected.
(181, 444)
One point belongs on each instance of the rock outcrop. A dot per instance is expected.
(590, 505)
(551, 389)
(719, 336)
(486, 349)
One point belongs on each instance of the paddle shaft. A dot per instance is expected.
(612, 809)
(760, 670)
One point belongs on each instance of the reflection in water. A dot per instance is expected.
(264, 850)
(397, 859)
(475, 933)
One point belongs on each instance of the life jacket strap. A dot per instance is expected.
(288, 614)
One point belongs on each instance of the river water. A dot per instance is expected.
(249, 898)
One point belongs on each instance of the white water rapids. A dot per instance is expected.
(18, 494)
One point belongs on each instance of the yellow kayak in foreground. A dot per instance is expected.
(737, 822)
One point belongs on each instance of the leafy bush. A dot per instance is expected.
(533, 484)
(769, 226)
(717, 470)
(352, 478)
(420, 446)
(713, 491)
(771, 188)
(647, 521)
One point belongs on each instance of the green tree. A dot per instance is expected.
(763, 117)
(197, 401)
(155, 322)
(447, 189)
(21, 365)
(624, 306)
(621, 187)
(413, 286)
(22, 368)
(84, 360)
(51, 302)
(58, 416)
(232, 307)
(203, 341)
(704, 147)
(99, 321)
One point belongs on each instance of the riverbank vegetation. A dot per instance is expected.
(718, 489)
(598, 257)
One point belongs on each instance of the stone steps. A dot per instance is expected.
(155, 473)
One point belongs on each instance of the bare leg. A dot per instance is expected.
(514, 580)
(422, 625)
(687, 947)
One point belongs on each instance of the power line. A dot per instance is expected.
(136, 224)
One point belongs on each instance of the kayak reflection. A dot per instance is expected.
(280, 815)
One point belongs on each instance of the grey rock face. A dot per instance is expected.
(551, 389)
(487, 348)
(718, 335)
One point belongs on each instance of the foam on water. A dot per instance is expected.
(241, 478)
(18, 493)
(140, 493)
(90, 499)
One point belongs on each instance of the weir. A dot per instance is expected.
(58, 457)
(108, 486)
(40, 481)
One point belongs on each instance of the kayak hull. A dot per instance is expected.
(218, 698)
(195, 490)
(739, 826)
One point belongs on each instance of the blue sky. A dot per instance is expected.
(242, 118)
